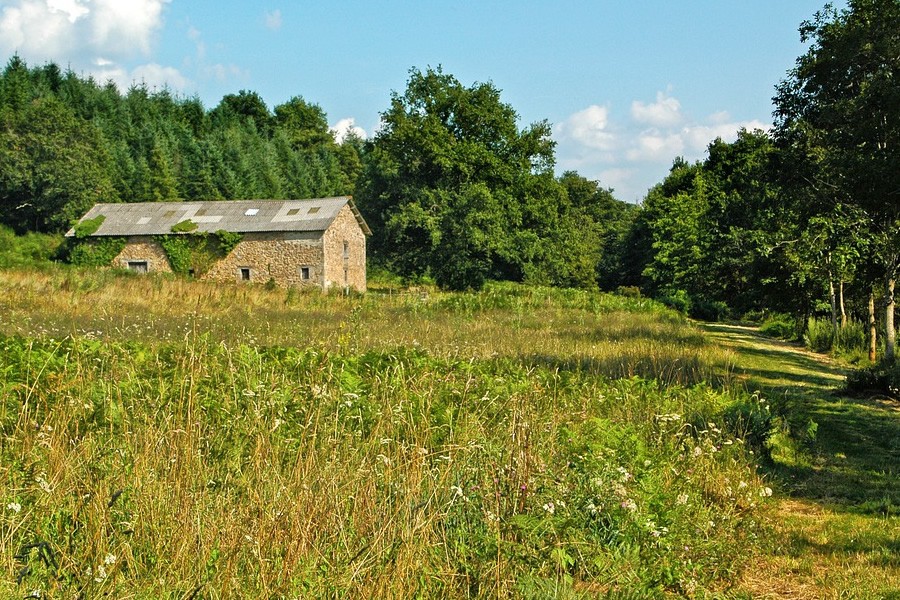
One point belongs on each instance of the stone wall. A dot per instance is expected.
(305, 259)
(143, 249)
(345, 270)
(279, 256)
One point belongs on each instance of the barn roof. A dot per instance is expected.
(238, 216)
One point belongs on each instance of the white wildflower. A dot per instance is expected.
(550, 508)
(682, 499)
(15, 507)
(765, 492)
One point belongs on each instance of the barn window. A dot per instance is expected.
(304, 273)
(139, 266)
(293, 212)
(312, 210)
(244, 273)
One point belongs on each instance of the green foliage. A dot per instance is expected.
(88, 227)
(820, 336)
(882, 378)
(453, 188)
(30, 250)
(779, 326)
(677, 300)
(186, 226)
(227, 241)
(95, 251)
(67, 143)
(196, 251)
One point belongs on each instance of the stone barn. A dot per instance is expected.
(310, 243)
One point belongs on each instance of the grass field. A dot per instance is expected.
(172, 439)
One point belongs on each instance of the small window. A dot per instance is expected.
(304, 273)
(245, 273)
(251, 212)
(313, 210)
(346, 249)
(293, 212)
(170, 213)
(139, 266)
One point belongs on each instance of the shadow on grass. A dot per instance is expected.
(840, 451)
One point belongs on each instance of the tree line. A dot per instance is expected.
(803, 219)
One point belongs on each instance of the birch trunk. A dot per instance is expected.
(843, 309)
(873, 332)
(890, 339)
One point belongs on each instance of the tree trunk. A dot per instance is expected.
(843, 309)
(890, 338)
(834, 320)
(873, 332)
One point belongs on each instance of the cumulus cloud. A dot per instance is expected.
(108, 39)
(344, 127)
(665, 112)
(588, 128)
(634, 152)
(273, 20)
(54, 29)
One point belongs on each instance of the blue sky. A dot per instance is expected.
(627, 86)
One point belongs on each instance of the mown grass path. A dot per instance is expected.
(836, 470)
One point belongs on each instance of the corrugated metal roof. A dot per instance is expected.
(239, 216)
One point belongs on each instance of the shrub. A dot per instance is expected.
(882, 378)
(819, 335)
(709, 310)
(95, 252)
(779, 326)
(678, 300)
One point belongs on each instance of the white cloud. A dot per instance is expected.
(103, 38)
(158, 76)
(273, 20)
(588, 128)
(655, 146)
(665, 112)
(342, 128)
(634, 152)
(80, 29)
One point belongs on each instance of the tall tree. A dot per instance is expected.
(843, 92)
(450, 174)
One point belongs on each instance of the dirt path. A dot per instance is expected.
(837, 469)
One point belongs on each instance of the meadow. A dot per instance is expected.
(163, 438)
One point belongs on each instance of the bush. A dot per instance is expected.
(678, 300)
(779, 326)
(882, 378)
(819, 336)
(29, 250)
(709, 310)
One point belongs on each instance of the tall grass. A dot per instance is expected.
(260, 444)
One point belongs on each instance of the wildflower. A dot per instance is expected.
(15, 507)
(682, 499)
(457, 491)
(697, 451)
(42, 483)
(109, 559)
(765, 492)
(629, 505)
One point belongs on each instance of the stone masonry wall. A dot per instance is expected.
(345, 270)
(277, 256)
(143, 248)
